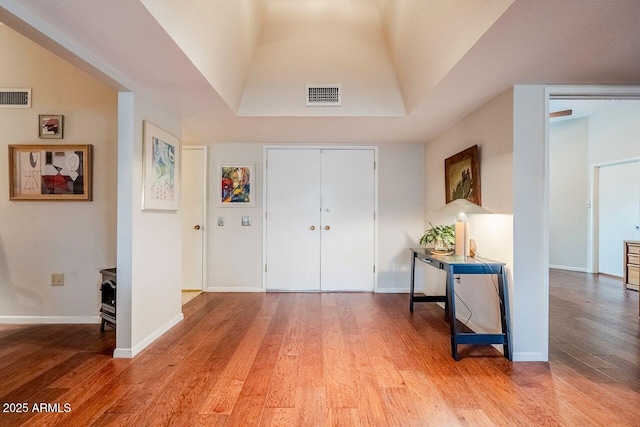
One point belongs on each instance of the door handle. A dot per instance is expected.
(637, 227)
(313, 227)
(326, 227)
(197, 227)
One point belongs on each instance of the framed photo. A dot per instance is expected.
(235, 185)
(161, 174)
(50, 172)
(462, 176)
(50, 126)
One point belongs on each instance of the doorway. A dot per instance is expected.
(593, 153)
(618, 213)
(194, 190)
(320, 208)
(551, 94)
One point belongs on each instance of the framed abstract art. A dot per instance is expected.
(161, 174)
(235, 185)
(50, 172)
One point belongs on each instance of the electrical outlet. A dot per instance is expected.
(57, 279)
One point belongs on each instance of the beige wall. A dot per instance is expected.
(491, 128)
(40, 238)
(415, 29)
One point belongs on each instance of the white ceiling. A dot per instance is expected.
(409, 69)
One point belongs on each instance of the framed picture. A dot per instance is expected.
(50, 126)
(50, 172)
(235, 184)
(462, 176)
(161, 174)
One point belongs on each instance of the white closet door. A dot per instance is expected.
(348, 232)
(618, 214)
(293, 220)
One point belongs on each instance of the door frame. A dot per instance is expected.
(205, 212)
(265, 150)
(593, 263)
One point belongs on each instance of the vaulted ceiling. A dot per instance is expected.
(236, 70)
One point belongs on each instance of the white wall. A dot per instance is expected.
(530, 291)
(491, 128)
(235, 252)
(39, 238)
(614, 134)
(149, 242)
(568, 194)
(400, 213)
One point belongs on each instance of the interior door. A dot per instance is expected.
(320, 232)
(348, 224)
(293, 220)
(193, 210)
(618, 213)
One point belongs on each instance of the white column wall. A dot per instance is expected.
(149, 242)
(530, 293)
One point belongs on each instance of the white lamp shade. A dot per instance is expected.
(462, 205)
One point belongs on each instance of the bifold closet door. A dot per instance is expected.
(292, 259)
(320, 229)
(348, 224)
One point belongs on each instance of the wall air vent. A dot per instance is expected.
(324, 95)
(15, 98)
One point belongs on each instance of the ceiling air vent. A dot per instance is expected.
(324, 95)
(15, 98)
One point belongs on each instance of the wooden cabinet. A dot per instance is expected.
(632, 264)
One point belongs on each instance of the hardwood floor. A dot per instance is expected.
(331, 359)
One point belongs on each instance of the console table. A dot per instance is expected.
(456, 265)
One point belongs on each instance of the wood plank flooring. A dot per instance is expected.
(331, 360)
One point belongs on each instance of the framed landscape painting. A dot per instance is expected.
(161, 175)
(50, 172)
(235, 184)
(462, 176)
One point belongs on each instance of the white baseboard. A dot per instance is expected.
(128, 353)
(231, 289)
(529, 357)
(566, 267)
(122, 353)
(28, 320)
(395, 291)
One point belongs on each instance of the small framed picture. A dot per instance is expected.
(50, 126)
(235, 185)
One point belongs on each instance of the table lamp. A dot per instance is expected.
(462, 207)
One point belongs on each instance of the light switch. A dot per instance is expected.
(246, 221)
(220, 221)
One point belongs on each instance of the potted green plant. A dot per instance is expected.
(443, 237)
